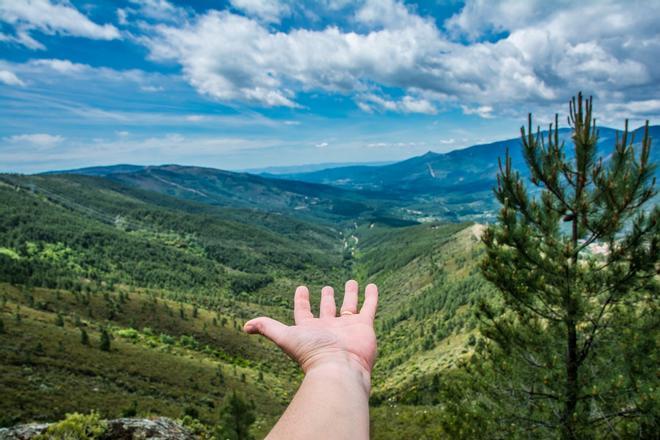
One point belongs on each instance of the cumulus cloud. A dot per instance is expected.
(231, 57)
(50, 17)
(492, 57)
(10, 78)
(269, 11)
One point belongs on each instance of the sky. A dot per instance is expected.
(242, 84)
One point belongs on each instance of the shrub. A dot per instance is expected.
(104, 345)
(128, 333)
(76, 426)
(84, 338)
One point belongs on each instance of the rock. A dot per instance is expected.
(160, 428)
(23, 432)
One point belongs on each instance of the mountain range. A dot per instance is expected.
(170, 260)
(454, 186)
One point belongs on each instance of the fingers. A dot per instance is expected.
(370, 302)
(328, 307)
(350, 297)
(301, 308)
(270, 328)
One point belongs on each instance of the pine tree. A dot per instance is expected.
(59, 320)
(105, 340)
(84, 337)
(576, 261)
(236, 417)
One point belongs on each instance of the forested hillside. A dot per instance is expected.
(170, 281)
(124, 289)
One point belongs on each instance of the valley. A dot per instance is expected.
(168, 262)
(173, 279)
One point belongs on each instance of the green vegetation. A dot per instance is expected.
(105, 340)
(572, 336)
(126, 296)
(235, 420)
(171, 282)
(76, 427)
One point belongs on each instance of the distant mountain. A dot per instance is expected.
(453, 186)
(308, 168)
(230, 189)
(470, 169)
(101, 170)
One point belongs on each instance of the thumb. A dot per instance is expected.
(268, 327)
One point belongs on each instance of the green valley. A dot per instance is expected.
(172, 281)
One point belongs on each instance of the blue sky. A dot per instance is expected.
(253, 83)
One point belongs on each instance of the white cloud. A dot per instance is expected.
(395, 144)
(157, 10)
(268, 11)
(10, 78)
(543, 53)
(43, 140)
(370, 102)
(61, 66)
(386, 14)
(484, 111)
(230, 57)
(122, 16)
(152, 89)
(321, 145)
(50, 17)
(171, 148)
(417, 105)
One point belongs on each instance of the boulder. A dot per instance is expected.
(160, 428)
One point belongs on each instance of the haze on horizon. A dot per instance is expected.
(244, 84)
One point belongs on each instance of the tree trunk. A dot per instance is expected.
(571, 392)
(572, 386)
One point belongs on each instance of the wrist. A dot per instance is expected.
(343, 367)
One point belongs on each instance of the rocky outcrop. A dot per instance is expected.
(119, 429)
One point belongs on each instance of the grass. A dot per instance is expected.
(174, 281)
(48, 372)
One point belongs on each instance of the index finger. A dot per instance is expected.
(370, 302)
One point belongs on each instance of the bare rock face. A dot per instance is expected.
(160, 428)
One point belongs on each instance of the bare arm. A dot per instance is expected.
(336, 354)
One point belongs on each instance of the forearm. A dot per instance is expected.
(331, 403)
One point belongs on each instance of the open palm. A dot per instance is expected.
(328, 338)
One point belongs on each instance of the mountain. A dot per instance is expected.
(226, 188)
(293, 169)
(100, 170)
(466, 170)
(454, 186)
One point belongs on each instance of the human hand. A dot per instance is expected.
(326, 341)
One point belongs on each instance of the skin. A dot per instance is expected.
(336, 354)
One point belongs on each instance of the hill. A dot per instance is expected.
(210, 186)
(172, 281)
